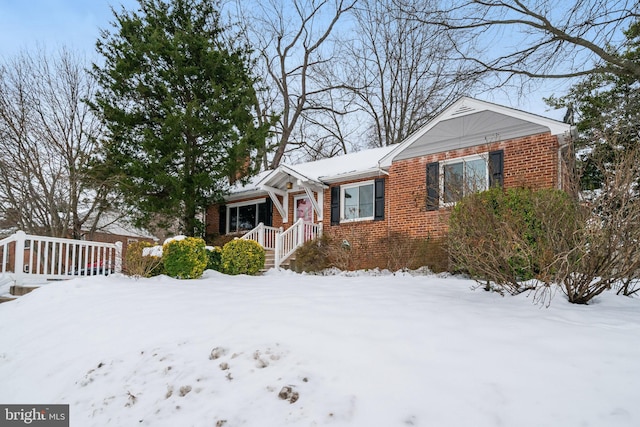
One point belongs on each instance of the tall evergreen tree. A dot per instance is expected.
(178, 101)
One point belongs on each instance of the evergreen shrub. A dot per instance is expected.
(242, 256)
(186, 258)
(214, 258)
(510, 236)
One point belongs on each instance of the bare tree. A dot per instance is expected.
(293, 43)
(538, 38)
(47, 138)
(401, 70)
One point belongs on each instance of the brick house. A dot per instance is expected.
(366, 197)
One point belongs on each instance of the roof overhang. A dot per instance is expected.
(285, 177)
(469, 122)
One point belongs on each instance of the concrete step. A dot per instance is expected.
(19, 290)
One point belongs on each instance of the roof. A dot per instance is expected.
(469, 122)
(465, 123)
(112, 223)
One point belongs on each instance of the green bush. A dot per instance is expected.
(141, 266)
(242, 256)
(185, 259)
(510, 236)
(214, 255)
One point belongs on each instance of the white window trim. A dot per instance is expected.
(247, 202)
(238, 205)
(482, 156)
(342, 204)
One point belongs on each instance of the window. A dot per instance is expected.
(357, 201)
(463, 176)
(245, 216)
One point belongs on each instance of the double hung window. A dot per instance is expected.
(358, 201)
(463, 176)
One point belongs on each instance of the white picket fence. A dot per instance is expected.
(284, 242)
(37, 259)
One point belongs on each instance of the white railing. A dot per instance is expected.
(264, 235)
(30, 258)
(284, 243)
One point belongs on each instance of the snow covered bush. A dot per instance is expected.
(185, 258)
(138, 264)
(242, 256)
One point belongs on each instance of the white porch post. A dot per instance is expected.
(118, 260)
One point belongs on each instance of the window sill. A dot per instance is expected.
(347, 221)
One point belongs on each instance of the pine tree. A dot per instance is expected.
(178, 101)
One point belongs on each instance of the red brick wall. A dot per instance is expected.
(530, 161)
(365, 237)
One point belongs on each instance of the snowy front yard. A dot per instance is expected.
(296, 350)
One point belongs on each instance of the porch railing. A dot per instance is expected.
(30, 258)
(284, 242)
(264, 235)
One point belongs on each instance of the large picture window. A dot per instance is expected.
(246, 215)
(357, 201)
(462, 177)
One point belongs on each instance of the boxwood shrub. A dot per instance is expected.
(186, 258)
(214, 255)
(242, 256)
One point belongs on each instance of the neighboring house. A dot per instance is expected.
(112, 228)
(408, 189)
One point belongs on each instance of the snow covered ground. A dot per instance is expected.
(297, 350)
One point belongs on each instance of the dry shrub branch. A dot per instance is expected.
(520, 239)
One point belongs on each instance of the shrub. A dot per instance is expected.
(185, 259)
(507, 237)
(407, 252)
(142, 266)
(314, 255)
(242, 256)
(214, 258)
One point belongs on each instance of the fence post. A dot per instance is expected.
(118, 260)
(277, 250)
(261, 234)
(18, 267)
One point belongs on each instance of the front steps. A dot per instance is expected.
(270, 260)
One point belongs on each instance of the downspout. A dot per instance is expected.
(387, 200)
(566, 141)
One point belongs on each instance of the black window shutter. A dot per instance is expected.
(265, 212)
(379, 200)
(496, 168)
(268, 220)
(222, 219)
(335, 205)
(433, 184)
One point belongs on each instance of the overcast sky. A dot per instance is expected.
(76, 24)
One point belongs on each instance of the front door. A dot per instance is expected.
(303, 208)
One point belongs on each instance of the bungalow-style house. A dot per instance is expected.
(408, 189)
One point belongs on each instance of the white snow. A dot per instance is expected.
(359, 350)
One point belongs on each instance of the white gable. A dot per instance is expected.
(469, 122)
